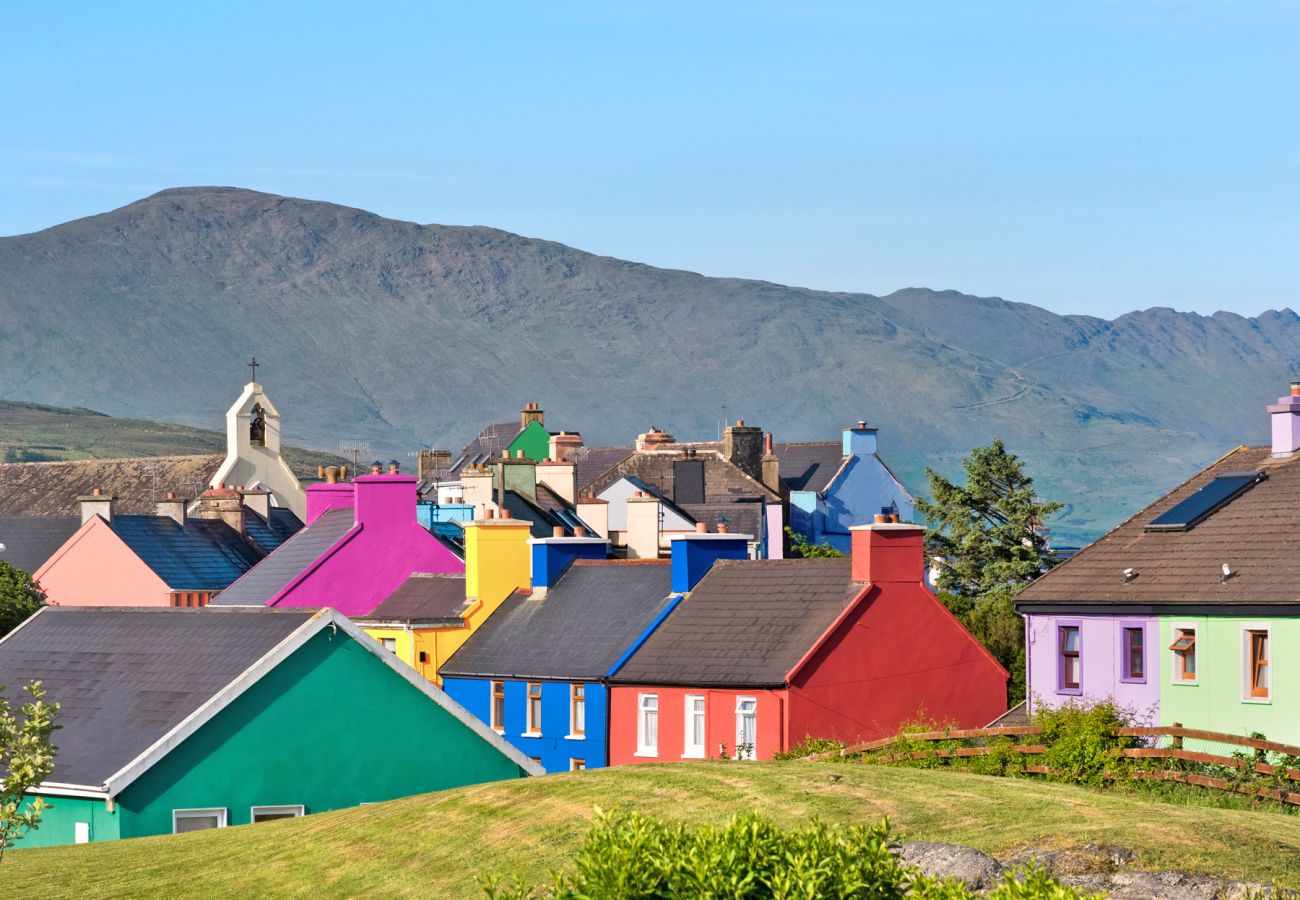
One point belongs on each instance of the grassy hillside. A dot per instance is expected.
(438, 844)
(403, 334)
(30, 432)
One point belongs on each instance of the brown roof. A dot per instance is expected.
(1254, 533)
(423, 597)
(136, 484)
(746, 624)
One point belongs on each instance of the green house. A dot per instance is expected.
(179, 720)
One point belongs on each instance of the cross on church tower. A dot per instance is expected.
(253, 364)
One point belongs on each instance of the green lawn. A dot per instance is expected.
(437, 844)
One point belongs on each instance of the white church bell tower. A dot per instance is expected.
(253, 451)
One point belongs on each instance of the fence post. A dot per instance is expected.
(1177, 740)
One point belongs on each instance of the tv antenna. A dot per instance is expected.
(355, 451)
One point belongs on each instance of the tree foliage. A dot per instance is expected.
(19, 597)
(802, 548)
(988, 541)
(26, 759)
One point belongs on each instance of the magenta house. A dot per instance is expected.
(360, 543)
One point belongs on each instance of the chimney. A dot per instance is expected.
(694, 553)
(564, 443)
(333, 493)
(171, 507)
(771, 465)
(96, 503)
(259, 501)
(595, 512)
(529, 414)
(860, 439)
(384, 500)
(742, 446)
(518, 473)
(476, 489)
(560, 475)
(222, 503)
(654, 439)
(888, 552)
(552, 557)
(496, 559)
(642, 535)
(1285, 415)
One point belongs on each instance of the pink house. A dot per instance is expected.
(361, 542)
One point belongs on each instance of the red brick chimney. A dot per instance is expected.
(888, 552)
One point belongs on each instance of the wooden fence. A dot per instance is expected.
(1177, 735)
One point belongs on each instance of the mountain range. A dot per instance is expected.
(407, 335)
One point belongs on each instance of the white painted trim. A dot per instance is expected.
(1174, 628)
(1244, 630)
(568, 540)
(688, 750)
(317, 622)
(642, 748)
(222, 814)
(753, 750)
(573, 706)
(297, 809)
(56, 789)
(710, 536)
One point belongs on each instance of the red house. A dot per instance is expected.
(764, 653)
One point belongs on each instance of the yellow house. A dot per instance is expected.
(427, 619)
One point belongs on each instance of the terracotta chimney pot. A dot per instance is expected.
(579, 531)
(701, 527)
(557, 531)
(505, 513)
(880, 519)
(98, 492)
(722, 528)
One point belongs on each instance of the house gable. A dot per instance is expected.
(95, 567)
(534, 440)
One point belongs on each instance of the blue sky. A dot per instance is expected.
(1090, 157)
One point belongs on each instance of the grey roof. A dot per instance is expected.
(488, 445)
(434, 598)
(124, 677)
(746, 624)
(202, 554)
(273, 574)
(30, 540)
(271, 532)
(592, 462)
(809, 466)
(578, 630)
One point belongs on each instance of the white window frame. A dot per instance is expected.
(531, 728)
(81, 832)
(1175, 664)
(573, 706)
(385, 641)
(753, 750)
(642, 748)
(223, 818)
(498, 726)
(293, 809)
(689, 750)
(573, 767)
(1246, 674)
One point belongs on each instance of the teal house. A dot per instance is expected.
(178, 720)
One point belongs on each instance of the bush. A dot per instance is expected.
(810, 745)
(631, 856)
(1080, 737)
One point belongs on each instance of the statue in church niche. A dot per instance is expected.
(257, 427)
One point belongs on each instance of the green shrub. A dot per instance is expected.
(1080, 737)
(630, 856)
(810, 745)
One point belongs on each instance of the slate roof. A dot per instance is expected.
(30, 540)
(488, 445)
(271, 532)
(426, 597)
(201, 555)
(746, 624)
(136, 483)
(578, 630)
(809, 466)
(274, 573)
(124, 677)
(1255, 533)
(592, 462)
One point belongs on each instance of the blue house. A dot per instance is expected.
(537, 670)
(836, 486)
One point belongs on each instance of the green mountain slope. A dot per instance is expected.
(30, 432)
(440, 845)
(400, 333)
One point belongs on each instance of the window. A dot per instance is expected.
(534, 708)
(81, 832)
(389, 644)
(1133, 654)
(499, 706)
(271, 813)
(577, 709)
(746, 727)
(1069, 641)
(694, 732)
(1257, 674)
(688, 481)
(577, 765)
(184, 820)
(1184, 647)
(647, 725)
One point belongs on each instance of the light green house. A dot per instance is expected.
(179, 720)
(1187, 613)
